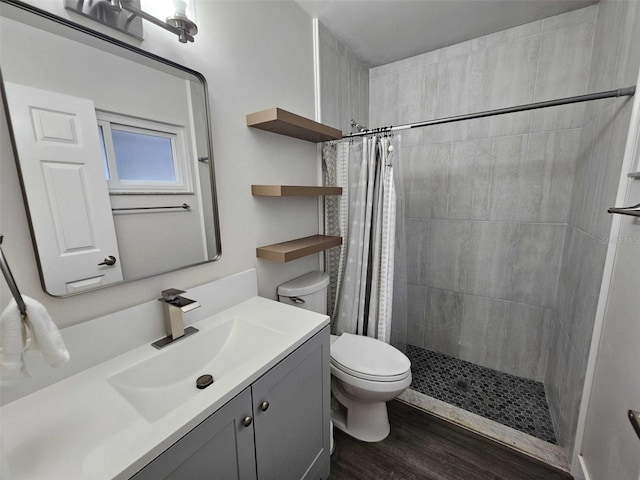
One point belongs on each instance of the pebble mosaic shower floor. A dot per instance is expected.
(512, 401)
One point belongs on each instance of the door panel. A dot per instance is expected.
(220, 448)
(62, 171)
(292, 434)
(611, 448)
(66, 191)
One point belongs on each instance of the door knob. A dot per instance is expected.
(110, 260)
(264, 406)
(246, 421)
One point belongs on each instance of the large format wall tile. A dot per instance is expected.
(527, 342)
(520, 59)
(596, 173)
(612, 165)
(581, 196)
(462, 176)
(556, 374)
(571, 397)
(629, 47)
(418, 89)
(483, 333)
(537, 266)
(606, 51)
(513, 34)
(573, 78)
(565, 60)
(583, 15)
(502, 125)
(416, 298)
(548, 177)
(451, 132)
(417, 250)
(330, 83)
(443, 320)
(508, 155)
(459, 82)
(448, 254)
(492, 253)
(563, 117)
(425, 185)
(344, 84)
(383, 103)
(483, 181)
(591, 260)
(570, 273)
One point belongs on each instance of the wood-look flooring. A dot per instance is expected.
(422, 447)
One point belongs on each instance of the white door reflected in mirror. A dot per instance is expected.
(58, 144)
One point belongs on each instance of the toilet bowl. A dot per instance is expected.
(365, 372)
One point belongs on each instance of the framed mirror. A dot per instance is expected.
(114, 153)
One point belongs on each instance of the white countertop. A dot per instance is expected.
(83, 428)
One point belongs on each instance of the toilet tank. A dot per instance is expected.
(308, 291)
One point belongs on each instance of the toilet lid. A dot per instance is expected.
(367, 357)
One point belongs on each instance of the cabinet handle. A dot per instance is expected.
(247, 421)
(264, 406)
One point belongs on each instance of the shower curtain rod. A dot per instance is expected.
(620, 92)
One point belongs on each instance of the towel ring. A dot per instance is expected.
(27, 333)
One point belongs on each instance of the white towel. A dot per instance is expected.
(45, 335)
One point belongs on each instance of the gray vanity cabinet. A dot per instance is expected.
(277, 429)
(291, 415)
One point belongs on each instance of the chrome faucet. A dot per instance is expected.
(175, 307)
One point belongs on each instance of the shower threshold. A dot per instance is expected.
(505, 408)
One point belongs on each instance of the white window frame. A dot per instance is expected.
(181, 164)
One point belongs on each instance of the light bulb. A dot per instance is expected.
(180, 8)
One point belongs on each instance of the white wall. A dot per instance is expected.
(255, 55)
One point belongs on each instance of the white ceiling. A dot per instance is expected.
(383, 31)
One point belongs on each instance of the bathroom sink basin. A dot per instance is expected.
(161, 383)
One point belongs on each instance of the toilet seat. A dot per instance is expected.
(369, 359)
(372, 378)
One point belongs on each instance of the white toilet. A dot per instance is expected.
(365, 372)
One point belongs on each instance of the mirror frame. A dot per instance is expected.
(62, 22)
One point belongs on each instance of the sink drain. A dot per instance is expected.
(204, 381)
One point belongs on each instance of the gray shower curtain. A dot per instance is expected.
(367, 293)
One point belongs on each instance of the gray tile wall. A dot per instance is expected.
(488, 201)
(344, 84)
(616, 57)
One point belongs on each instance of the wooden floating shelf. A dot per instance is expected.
(280, 121)
(293, 190)
(294, 249)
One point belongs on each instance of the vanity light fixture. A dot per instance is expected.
(126, 16)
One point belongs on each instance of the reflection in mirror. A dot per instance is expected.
(113, 151)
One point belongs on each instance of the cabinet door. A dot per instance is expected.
(220, 448)
(292, 434)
